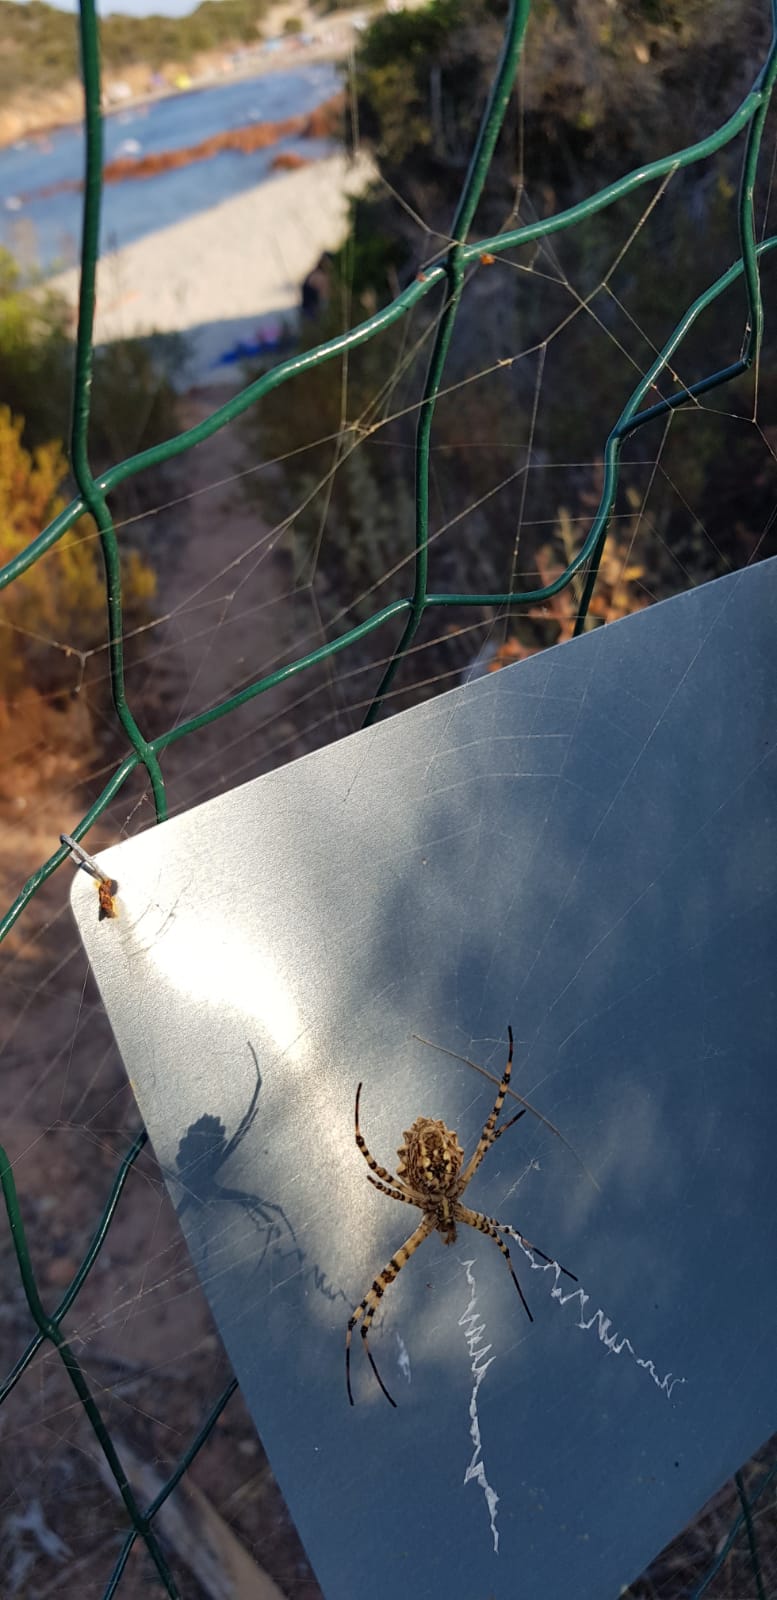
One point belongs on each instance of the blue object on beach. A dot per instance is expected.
(265, 341)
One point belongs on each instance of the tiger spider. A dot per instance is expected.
(431, 1178)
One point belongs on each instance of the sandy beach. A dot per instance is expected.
(227, 273)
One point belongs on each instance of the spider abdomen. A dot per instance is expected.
(430, 1158)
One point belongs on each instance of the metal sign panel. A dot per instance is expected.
(583, 846)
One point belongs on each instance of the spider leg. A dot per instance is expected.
(488, 1135)
(388, 1177)
(396, 1194)
(489, 1225)
(551, 1260)
(497, 1134)
(367, 1307)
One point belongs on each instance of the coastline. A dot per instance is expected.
(228, 273)
(25, 119)
(322, 123)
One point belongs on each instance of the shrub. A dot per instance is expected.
(134, 403)
(53, 616)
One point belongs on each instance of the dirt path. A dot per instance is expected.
(141, 1327)
(224, 588)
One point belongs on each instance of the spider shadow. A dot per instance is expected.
(204, 1152)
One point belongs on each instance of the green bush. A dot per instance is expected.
(55, 611)
(53, 688)
(134, 403)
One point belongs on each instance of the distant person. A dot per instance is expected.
(317, 286)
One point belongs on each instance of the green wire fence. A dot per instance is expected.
(447, 273)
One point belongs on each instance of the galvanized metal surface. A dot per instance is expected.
(583, 845)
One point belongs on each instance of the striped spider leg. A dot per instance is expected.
(430, 1176)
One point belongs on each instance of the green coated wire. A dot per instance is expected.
(98, 1239)
(488, 133)
(752, 1541)
(447, 274)
(734, 1532)
(404, 302)
(92, 497)
(172, 1482)
(630, 419)
(49, 1328)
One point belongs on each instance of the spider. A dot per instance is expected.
(430, 1176)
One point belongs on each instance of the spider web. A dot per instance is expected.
(231, 605)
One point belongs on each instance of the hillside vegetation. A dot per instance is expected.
(551, 339)
(53, 696)
(39, 78)
(40, 48)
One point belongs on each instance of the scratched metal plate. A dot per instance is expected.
(583, 845)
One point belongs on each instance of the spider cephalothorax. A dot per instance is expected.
(431, 1157)
(430, 1176)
